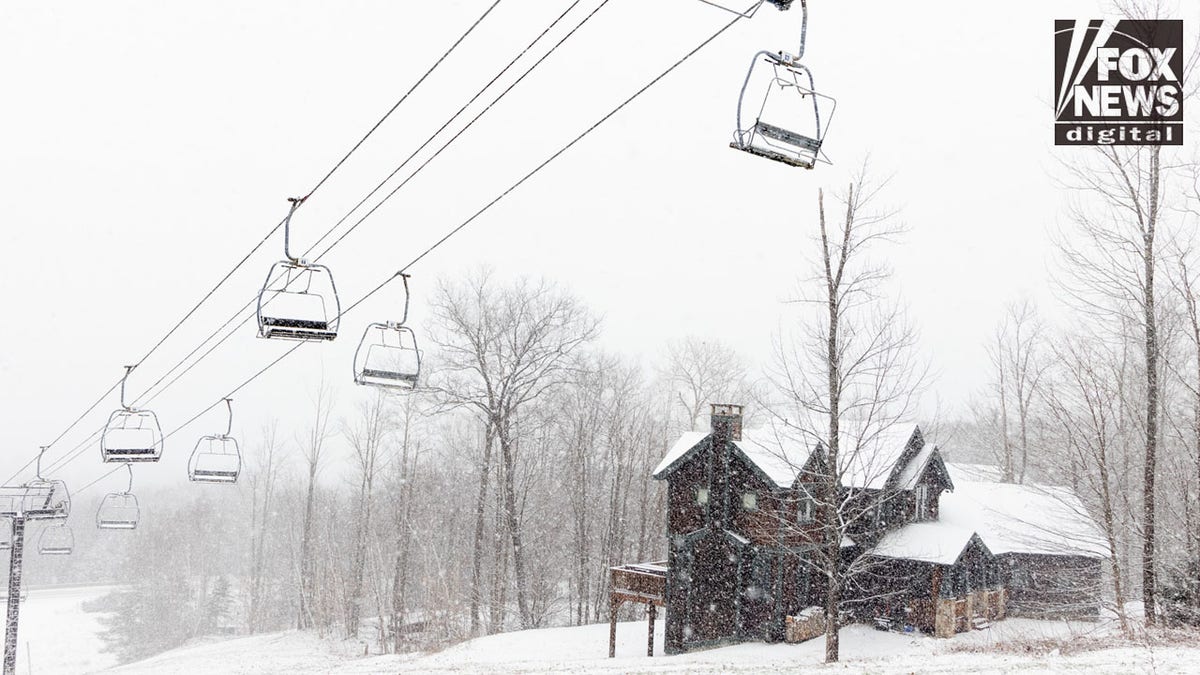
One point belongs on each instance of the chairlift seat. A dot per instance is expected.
(118, 511)
(293, 303)
(787, 93)
(391, 357)
(215, 460)
(132, 436)
(773, 155)
(784, 136)
(56, 540)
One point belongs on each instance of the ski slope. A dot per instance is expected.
(584, 650)
(57, 636)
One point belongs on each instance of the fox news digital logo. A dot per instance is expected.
(1118, 82)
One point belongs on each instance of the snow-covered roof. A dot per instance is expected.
(909, 475)
(686, 442)
(868, 458)
(1011, 518)
(985, 473)
(935, 541)
(779, 452)
(776, 452)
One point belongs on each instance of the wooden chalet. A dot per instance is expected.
(743, 531)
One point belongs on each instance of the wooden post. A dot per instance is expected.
(650, 639)
(613, 604)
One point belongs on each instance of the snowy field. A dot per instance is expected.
(57, 636)
(584, 650)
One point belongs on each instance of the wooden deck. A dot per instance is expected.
(644, 583)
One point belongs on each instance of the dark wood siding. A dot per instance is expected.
(1052, 586)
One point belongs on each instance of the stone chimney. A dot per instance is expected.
(727, 420)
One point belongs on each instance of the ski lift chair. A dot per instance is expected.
(119, 510)
(131, 435)
(56, 540)
(388, 355)
(299, 300)
(46, 500)
(217, 458)
(779, 129)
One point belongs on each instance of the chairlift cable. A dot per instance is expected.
(425, 144)
(446, 124)
(484, 209)
(68, 457)
(272, 231)
(471, 219)
(403, 98)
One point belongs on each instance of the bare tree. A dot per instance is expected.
(1111, 257)
(366, 436)
(849, 376)
(703, 371)
(1086, 399)
(1016, 360)
(501, 348)
(312, 446)
(263, 478)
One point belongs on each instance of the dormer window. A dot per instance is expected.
(806, 508)
(921, 498)
(702, 496)
(750, 501)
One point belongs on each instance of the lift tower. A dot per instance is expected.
(38, 499)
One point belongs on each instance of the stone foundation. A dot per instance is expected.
(808, 624)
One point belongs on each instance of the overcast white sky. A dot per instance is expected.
(147, 146)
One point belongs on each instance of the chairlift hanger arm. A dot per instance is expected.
(404, 277)
(229, 407)
(128, 370)
(39, 461)
(287, 228)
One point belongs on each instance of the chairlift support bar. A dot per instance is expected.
(229, 426)
(128, 370)
(287, 228)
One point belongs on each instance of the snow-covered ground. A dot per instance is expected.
(584, 650)
(57, 635)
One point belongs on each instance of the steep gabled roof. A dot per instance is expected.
(677, 455)
(779, 453)
(775, 455)
(935, 542)
(1037, 519)
(870, 458)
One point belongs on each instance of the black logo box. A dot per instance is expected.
(1094, 104)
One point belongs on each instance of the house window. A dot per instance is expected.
(806, 509)
(702, 496)
(921, 495)
(750, 501)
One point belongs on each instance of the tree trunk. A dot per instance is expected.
(304, 616)
(832, 529)
(514, 527)
(480, 518)
(1149, 582)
